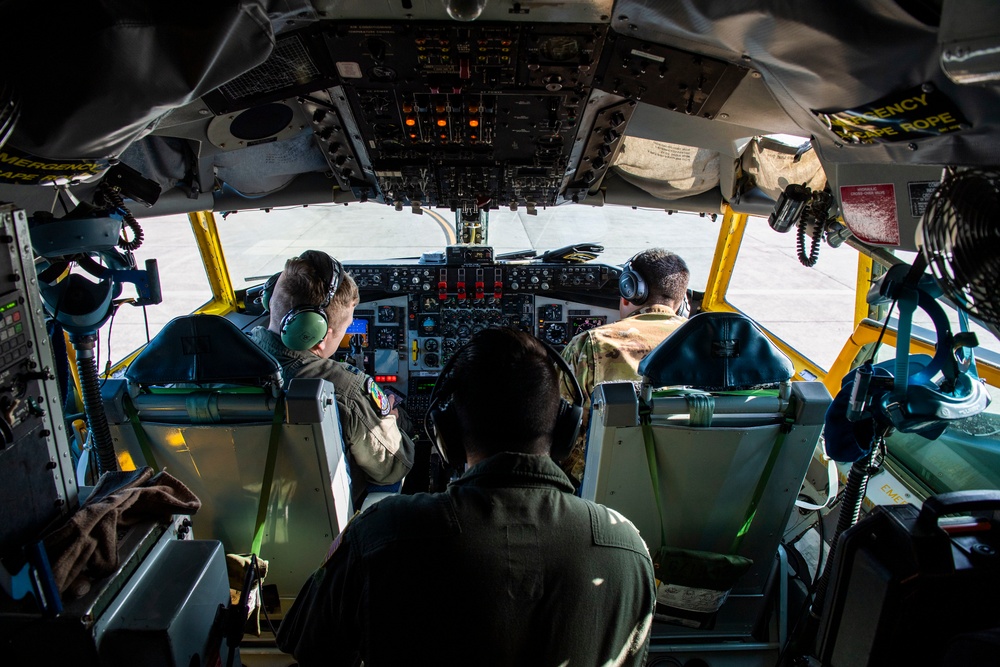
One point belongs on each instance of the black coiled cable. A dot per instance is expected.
(97, 420)
(114, 199)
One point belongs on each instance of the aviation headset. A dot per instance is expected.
(632, 285)
(304, 326)
(442, 427)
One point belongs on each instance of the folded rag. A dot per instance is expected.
(85, 547)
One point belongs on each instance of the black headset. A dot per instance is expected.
(442, 427)
(302, 327)
(631, 285)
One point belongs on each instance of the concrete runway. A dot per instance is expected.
(811, 308)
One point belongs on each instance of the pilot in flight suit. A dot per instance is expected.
(372, 426)
(653, 298)
(506, 567)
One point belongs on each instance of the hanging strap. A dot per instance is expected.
(647, 435)
(758, 492)
(265, 487)
(645, 412)
(140, 432)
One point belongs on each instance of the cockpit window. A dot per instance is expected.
(257, 243)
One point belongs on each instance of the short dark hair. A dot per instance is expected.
(665, 273)
(505, 393)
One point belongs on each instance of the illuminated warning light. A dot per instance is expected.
(505, 42)
(473, 137)
(407, 108)
(473, 123)
(441, 122)
(387, 378)
(410, 122)
(439, 108)
(473, 109)
(444, 136)
(413, 135)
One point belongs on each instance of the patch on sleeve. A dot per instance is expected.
(381, 401)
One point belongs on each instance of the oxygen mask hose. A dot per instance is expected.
(97, 420)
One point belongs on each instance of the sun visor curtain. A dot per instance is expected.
(79, 75)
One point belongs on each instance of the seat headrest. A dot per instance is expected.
(203, 349)
(717, 352)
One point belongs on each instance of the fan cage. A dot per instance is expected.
(961, 241)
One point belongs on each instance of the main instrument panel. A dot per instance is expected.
(412, 318)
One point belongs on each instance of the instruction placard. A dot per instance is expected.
(870, 212)
(903, 116)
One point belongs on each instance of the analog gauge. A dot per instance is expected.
(386, 338)
(494, 318)
(550, 313)
(479, 316)
(464, 331)
(428, 325)
(449, 317)
(559, 48)
(464, 316)
(447, 330)
(476, 328)
(430, 304)
(554, 333)
(431, 344)
(387, 314)
(448, 346)
(432, 359)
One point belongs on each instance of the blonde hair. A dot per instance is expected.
(302, 285)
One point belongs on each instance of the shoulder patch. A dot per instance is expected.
(378, 397)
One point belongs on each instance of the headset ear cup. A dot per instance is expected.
(567, 429)
(445, 432)
(303, 328)
(631, 286)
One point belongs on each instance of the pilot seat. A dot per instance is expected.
(732, 439)
(205, 403)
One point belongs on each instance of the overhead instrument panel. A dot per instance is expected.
(451, 114)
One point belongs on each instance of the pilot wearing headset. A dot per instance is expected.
(311, 303)
(653, 287)
(505, 567)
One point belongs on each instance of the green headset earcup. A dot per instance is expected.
(303, 327)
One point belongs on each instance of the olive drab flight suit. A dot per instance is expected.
(375, 439)
(505, 567)
(612, 353)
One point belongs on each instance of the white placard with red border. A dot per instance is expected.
(870, 212)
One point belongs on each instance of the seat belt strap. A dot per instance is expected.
(765, 476)
(140, 432)
(645, 412)
(265, 487)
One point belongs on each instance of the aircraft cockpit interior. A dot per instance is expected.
(872, 127)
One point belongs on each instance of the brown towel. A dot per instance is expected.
(85, 548)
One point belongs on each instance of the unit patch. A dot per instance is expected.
(381, 401)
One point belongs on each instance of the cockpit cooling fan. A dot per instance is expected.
(959, 238)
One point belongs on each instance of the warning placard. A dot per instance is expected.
(23, 168)
(870, 212)
(910, 114)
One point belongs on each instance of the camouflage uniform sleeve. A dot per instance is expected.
(579, 354)
(378, 446)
